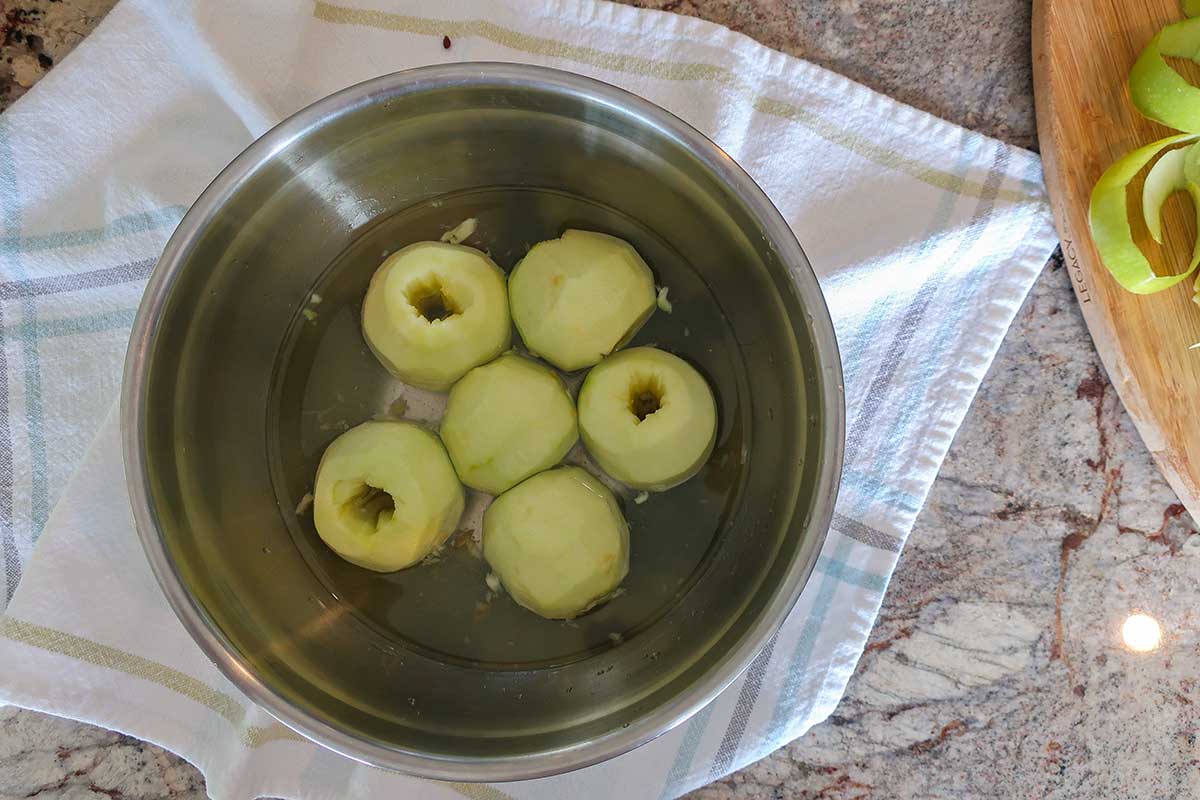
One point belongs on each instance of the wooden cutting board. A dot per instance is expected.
(1082, 53)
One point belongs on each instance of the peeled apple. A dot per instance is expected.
(507, 420)
(648, 418)
(558, 542)
(386, 495)
(435, 310)
(580, 297)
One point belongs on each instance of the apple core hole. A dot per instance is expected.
(372, 505)
(431, 300)
(645, 396)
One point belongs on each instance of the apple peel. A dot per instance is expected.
(1157, 90)
(1109, 215)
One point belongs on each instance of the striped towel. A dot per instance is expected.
(926, 238)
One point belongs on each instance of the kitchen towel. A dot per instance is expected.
(926, 238)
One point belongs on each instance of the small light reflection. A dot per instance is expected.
(1141, 633)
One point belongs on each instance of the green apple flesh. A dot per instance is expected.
(435, 310)
(648, 418)
(506, 421)
(578, 298)
(558, 542)
(386, 495)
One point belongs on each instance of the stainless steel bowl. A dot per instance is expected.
(231, 393)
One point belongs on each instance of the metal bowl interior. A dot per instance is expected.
(232, 393)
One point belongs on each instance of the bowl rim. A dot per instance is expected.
(661, 719)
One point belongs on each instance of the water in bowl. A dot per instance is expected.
(443, 607)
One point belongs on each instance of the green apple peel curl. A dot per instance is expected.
(1158, 91)
(1109, 215)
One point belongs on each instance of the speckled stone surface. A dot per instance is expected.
(997, 668)
(964, 60)
(35, 34)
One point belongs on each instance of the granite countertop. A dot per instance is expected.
(997, 667)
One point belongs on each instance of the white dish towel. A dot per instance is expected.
(926, 238)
